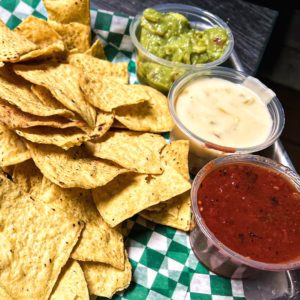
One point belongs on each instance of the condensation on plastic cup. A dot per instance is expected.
(200, 20)
(201, 150)
(209, 250)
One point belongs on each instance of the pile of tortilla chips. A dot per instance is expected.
(80, 153)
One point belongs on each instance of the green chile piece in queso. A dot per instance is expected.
(170, 36)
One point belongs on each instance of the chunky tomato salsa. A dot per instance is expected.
(253, 211)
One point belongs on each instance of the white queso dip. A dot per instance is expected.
(224, 113)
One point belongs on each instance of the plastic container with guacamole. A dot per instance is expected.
(172, 39)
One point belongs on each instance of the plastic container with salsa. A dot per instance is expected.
(161, 73)
(249, 203)
(202, 149)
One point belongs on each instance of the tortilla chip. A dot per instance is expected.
(14, 118)
(71, 284)
(72, 168)
(36, 242)
(108, 94)
(98, 242)
(13, 45)
(152, 115)
(175, 212)
(131, 150)
(96, 50)
(39, 32)
(69, 137)
(4, 295)
(67, 11)
(128, 194)
(28, 178)
(100, 68)
(17, 91)
(12, 148)
(63, 82)
(104, 280)
(47, 98)
(75, 35)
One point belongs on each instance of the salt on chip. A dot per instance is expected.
(36, 243)
(104, 280)
(108, 94)
(129, 194)
(72, 168)
(68, 137)
(152, 115)
(28, 178)
(71, 284)
(98, 242)
(12, 148)
(17, 91)
(13, 45)
(75, 35)
(13, 118)
(175, 212)
(100, 68)
(96, 50)
(67, 11)
(63, 82)
(39, 32)
(131, 150)
(47, 98)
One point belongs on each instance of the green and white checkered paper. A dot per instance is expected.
(164, 266)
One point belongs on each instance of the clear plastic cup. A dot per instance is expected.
(209, 250)
(200, 20)
(201, 150)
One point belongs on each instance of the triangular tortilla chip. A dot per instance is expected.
(63, 82)
(28, 178)
(36, 242)
(45, 96)
(131, 150)
(75, 35)
(152, 115)
(73, 168)
(13, 45)
(99, 67)
(17, 91)
(67, 11)
(68, 137)
(12, 148)
(39, 32)
(175, 212)
(98, 242)
(71, 284)
(96, 50)
(14, 118)
(129, 194)
(108, 94)
(104, 280)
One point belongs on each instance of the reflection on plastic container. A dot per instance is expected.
(201, 150)
(148, 64)
(214, 254)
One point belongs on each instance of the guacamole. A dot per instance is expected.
(170, 36)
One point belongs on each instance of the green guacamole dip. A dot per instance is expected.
(170, 36)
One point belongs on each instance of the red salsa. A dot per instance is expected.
(253, 211)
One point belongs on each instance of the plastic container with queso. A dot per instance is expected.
(223, 111)
(160, 73)
(247, 212)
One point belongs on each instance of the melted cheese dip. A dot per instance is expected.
(224, 113)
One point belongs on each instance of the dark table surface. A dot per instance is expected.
(251, 24)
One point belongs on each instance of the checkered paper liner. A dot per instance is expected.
(163, 264)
